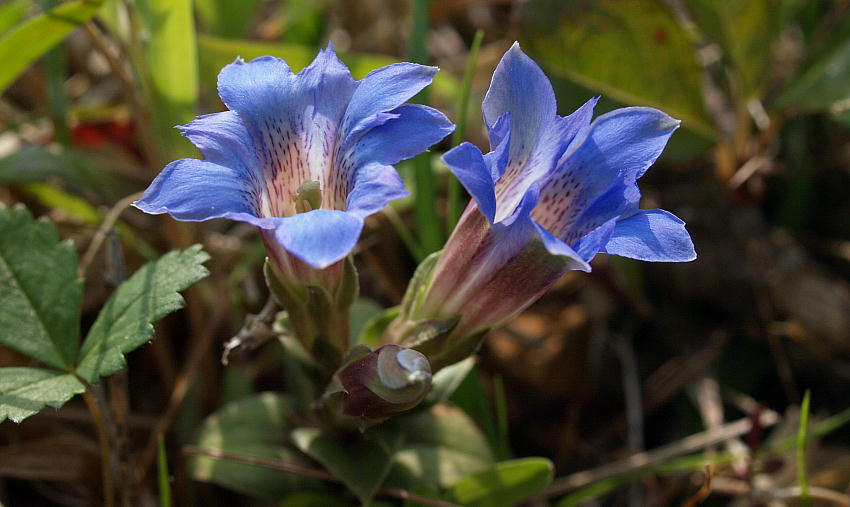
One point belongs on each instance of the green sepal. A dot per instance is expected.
(419, 284)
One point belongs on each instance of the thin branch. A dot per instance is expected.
(178, 394)
(256, 331)
(306, 472)
(99, 236)
(139, 113)
(105, 453)
(662, 454)
(737, 487)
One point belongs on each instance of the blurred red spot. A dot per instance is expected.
(659, 35)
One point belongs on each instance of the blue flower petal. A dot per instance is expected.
(620, 145)
(196, 190)
(538, 135)
(224, 140)
(257, 89)
(469, 167)
(319, 237)
(652, 235)
(500, 143)
(594, 241)
(374, 186)
(411, 130)
(557, 247)
(383, 90)
(519, 87)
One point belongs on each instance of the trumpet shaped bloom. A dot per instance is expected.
(553, 192)
(305, 157)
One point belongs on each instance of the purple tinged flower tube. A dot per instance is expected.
(305, 157)
(553, 192)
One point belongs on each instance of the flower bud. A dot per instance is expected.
(384, 383)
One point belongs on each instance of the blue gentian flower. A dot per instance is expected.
(553, 192)
(305, 157)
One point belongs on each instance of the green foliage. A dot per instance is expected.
(40, 304)
(448, 380)
(23, 45)
(442, 446)
(824, 85)
(35, 164)
(40, 295)
(124, 323)
(802, 470)
(586, 42)
(361, 464)
(506, 484)
(171, 64)
(226, 18)
(745, 31)
(256, 426)
(11, 13)
(25, 391)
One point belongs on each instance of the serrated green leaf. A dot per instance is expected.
(25, 391)
(506, 484)
(255, 426)
(23, 45)
(361, 464)
(125, 322)
(442, 445)
(585, 42)
(40, 295)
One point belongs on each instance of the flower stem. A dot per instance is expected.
(454, 194)
(103, 441)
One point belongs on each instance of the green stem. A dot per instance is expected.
(55, 70)
(427, 218)
(802, 474)
(454, 196)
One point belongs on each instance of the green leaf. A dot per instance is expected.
(506, 484)
(125, 322)
(40, 295)
(12, 13)
(447, 380)
(226, 18)
(746, 31)
(372, 330)
(256, 426)
(214, 53)
(442, 445)
(23, 45)
(825, 85)
(55, 198)
(35, 164)
(361, 313)
(25, 391)
(585, 42)
(171, 61)
(313, 499)
(361, 464)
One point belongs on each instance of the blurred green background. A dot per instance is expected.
(628, 360)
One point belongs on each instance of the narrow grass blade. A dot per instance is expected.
(454, 194)
(802, 437)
